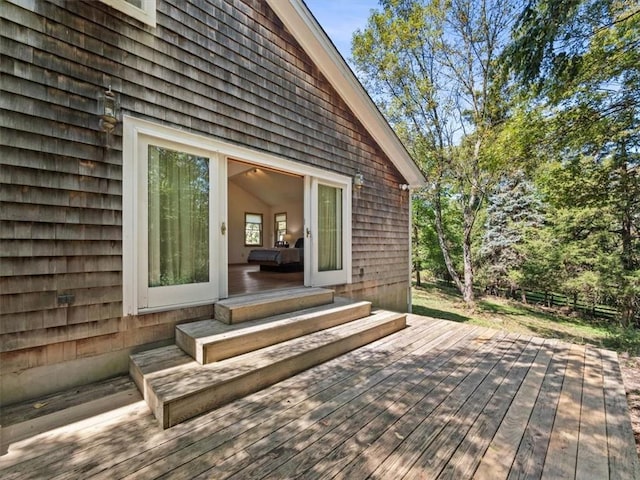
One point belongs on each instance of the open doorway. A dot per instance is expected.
(265, 228)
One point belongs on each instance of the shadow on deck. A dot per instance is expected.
(436, 400)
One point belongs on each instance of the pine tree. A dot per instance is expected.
(513, 208)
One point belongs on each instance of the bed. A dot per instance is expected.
(279, 259)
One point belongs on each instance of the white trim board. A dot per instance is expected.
(134, 128)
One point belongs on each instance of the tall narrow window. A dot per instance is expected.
(280, 222)
(253, 229)
(178, 217)
(329, 228)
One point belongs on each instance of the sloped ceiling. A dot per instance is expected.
(269, 186)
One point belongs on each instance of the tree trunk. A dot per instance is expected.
(469, 213)
(442, 241)
(467, 292)
(416, 263)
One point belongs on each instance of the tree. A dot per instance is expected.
(427, 254)
(541, 255)
(513, 208)
(431, 67)
(581, 60)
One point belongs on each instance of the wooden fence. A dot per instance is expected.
(560, 300)
(551, 300)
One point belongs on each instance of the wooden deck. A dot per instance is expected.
(436, 400)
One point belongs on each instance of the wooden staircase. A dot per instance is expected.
(264, 339)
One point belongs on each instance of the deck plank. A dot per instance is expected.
(530, 457)
(562, 453)
(444, 439)
(502, 450)
(593, 427)
(132, 440)
(404, 457)
(338, 449)
(295, 457)
(279, 408)
(474, 443)
(335, 459)
(623, 459)
(477, 352)
(247, 446)
(437, 398)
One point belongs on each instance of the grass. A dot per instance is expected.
(446, 303)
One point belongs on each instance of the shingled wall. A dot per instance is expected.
(224, 69)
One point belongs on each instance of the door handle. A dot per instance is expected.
(223, 228)
(308, 233)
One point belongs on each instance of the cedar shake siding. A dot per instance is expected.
(228, 70)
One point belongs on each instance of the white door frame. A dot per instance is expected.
(133, 128)
(314, 277)
(168, 297)
(137, 134)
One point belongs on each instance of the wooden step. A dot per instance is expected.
(252, 307)
(177, 388)
(30, 417)
(210, 340)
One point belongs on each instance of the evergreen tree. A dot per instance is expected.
(512, 209)
(578, 66)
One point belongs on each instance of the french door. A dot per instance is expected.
(328, 233)
(178, 216)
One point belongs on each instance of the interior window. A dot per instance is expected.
(253, 229)
(280, 222)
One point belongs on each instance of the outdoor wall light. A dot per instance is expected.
(358, 180)
(403, 186)
(108, 110)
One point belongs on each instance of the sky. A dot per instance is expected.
(340, 18)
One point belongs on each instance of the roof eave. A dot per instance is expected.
(304, 27)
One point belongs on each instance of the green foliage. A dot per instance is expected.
(541, 254)
(513, 208)
(577, 64)
(558, 107)
(426, 251)
(431, 67)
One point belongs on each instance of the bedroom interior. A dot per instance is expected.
(278, 260)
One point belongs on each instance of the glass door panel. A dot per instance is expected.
(178, 207)
(329, 233)
(329, 236)
(178, 218)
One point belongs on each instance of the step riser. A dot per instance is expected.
(232, 315)
(230, 347)
(208, 399)
(163, 360)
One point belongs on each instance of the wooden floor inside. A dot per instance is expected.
(245, 278)
(436, 400)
